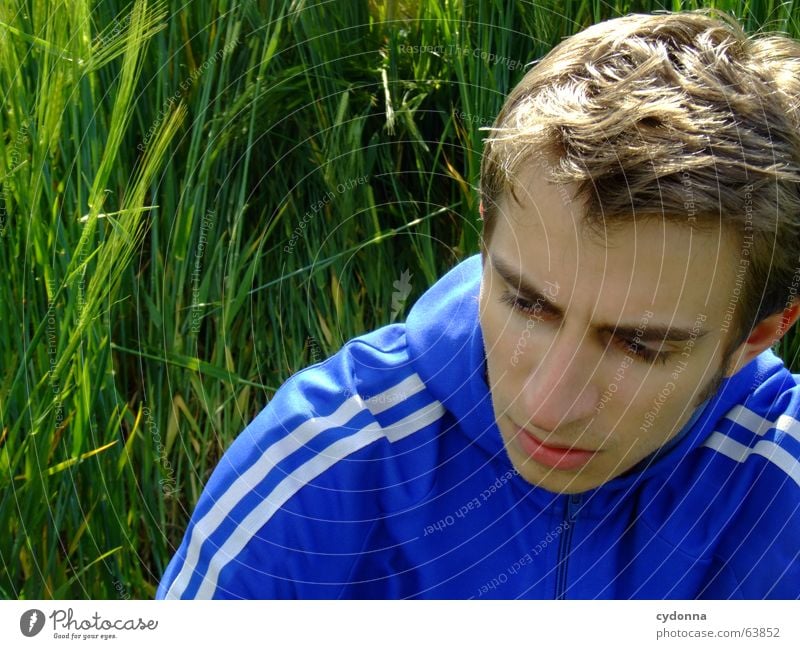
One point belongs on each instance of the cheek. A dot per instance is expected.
(634, 394)
(658, 411)
(507, 343)
(500, 336)
(513, 351)
(495, 325)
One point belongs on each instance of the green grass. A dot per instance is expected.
(166, 268)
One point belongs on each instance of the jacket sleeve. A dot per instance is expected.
(271, 522)
(762, 544)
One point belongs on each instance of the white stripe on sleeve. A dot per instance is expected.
(287, 445)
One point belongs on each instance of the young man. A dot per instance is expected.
(589, 408)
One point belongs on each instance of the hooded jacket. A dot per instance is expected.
(381, 473)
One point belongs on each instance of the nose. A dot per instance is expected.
(560, 388)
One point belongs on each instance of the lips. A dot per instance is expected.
(551, 455)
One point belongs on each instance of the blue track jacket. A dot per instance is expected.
(381, 473)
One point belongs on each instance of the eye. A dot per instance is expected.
(517, 303)
(642, 352)
(539, 309)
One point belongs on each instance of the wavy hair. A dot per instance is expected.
(677, 116)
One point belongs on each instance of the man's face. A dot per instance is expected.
(602, 344)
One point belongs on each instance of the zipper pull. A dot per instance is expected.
(573, 505)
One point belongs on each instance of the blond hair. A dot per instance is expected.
(679, 116)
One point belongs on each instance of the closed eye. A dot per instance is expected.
(642, 352)
(539, 309)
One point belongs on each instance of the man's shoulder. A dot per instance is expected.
(341, 444)
(366, 396)
(760, 433)
(752, 485)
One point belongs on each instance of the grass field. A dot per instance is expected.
(198, 199)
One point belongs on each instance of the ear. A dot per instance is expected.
(765, 334)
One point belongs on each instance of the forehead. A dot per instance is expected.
(618, 271)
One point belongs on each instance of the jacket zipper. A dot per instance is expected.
(571, 510)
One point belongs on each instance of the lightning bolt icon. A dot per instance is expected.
(32, 620)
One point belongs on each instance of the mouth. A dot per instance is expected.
(554, 456)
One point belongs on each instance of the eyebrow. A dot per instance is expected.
(649, 332)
